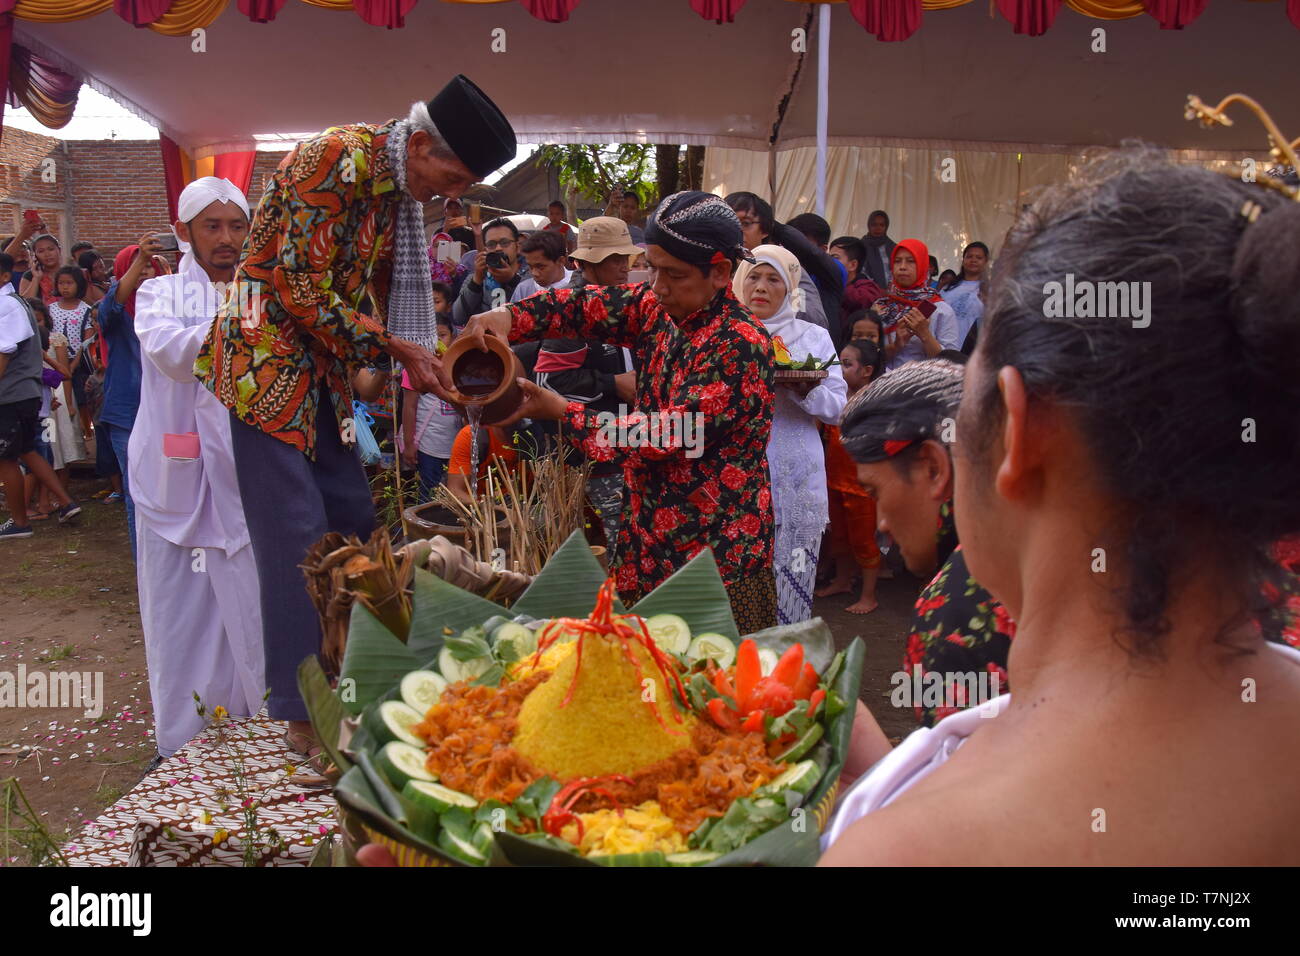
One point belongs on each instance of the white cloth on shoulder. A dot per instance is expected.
(924, 751)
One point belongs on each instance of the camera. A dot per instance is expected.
(497, 260)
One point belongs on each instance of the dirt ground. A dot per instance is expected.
(69, 604)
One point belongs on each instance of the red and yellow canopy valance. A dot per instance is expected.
(887, 19)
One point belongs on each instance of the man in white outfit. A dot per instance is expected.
(197, 578)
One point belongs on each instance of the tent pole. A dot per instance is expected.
(823, 91)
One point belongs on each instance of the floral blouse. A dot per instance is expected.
(958, 632)
(715, 368)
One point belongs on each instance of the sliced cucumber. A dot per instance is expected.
(436, 797)
(459, 846)
(714, 647)
(650, 858)
(513, 642)
(802, 777)
(691, 858)
(422, 689)
(455, 670)
(393, 720)
(401, 763)
(495, 621)
(803, 744)
(767, 661)
(482, 838)
(670, 632)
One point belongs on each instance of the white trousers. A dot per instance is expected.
(202, 633)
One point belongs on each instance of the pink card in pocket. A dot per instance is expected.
(184, 447)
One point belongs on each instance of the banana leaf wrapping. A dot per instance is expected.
(376, 660)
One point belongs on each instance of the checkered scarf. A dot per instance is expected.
(410, 298)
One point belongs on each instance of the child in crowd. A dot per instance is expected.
(70, 317)
(430, 425)
(866, 326)
(496, 448)
(852, 510)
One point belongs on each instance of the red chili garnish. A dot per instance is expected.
(560, 813)
(603, 621)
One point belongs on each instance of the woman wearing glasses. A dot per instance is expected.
(821, 288)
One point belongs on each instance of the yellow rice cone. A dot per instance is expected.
(607, 726)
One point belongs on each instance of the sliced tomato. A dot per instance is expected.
(753, 724)
(790, 666)
(806, 684)
(771, 696)
(722, 715)
(748, 672)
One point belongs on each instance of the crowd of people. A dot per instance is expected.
(959, 433)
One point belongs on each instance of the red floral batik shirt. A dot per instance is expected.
(704, 382)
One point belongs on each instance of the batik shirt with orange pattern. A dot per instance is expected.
(320, 241)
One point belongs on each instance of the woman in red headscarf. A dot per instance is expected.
(918, 324)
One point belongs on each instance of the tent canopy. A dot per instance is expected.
(617, 72)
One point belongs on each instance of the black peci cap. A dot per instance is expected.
(473, 126)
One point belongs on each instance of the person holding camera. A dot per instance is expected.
(498, 271)
(47, 256)
(133, 265)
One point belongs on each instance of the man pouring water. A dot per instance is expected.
(337, 278)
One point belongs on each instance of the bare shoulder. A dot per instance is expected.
(955, 817)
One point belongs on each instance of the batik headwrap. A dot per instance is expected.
(900, 409)
(698, 228)
(897, 301)
(410, 298)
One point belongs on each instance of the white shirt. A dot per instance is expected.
(795, 457)
(15, 327)
(965, 301)
(530, 287)
(924, 751)
(189, 503)
(436, 425)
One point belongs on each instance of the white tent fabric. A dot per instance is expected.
(980, 202)
(621, 72)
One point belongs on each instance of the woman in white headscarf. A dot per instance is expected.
(795, 457)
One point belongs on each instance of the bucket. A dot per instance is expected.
(485, 380)
(432, 519)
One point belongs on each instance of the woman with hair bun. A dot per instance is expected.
(1120, 483)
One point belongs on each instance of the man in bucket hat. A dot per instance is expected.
(604, 248)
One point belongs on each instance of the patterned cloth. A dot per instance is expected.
(715, 363)
(605, 495)
(796, 572)
(321, 240)
(410, 299)
(161, 821)
(958, 628)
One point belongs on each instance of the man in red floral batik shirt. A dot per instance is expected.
(694, 455)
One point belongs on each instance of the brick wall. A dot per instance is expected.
(109, 192)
